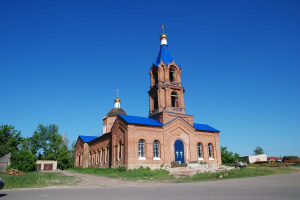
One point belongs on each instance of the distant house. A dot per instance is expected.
(274, 159)
(49, 165)
(4, 162)
(254, 158)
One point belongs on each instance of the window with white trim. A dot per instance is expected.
(141, 148)
(156, 149)
(199, 148)
(210, 150)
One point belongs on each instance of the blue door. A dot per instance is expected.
(179, 151)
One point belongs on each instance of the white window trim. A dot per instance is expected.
(200, 158)
(142, 158)
(211, 158)
(156, 158)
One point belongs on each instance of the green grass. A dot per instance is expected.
(240, 173)
(163, 175)
(36, 179)
(133, 174)
(44, 179)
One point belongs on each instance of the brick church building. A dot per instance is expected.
(167, 134)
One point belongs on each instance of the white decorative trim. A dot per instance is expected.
(142, 158)
(200, 159)
(211, 159)
(156, 158)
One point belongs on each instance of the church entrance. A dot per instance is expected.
(179, 151)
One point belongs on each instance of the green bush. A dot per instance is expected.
(23, 160)
(290, 158)
(63, 158)
(229, 158)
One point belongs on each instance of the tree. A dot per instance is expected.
(228, 158)
(258, 150)
(10, 139)
(25, 143)
(63, 158)
(46, 141)
(72, 152)
(23, 160)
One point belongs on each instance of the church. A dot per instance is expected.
(168, 134)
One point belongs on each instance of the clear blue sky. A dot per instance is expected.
(62, 61)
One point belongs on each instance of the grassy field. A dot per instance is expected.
(250, 171)
(43, 179)
(135, 174)
(36, 179)
(160, 175)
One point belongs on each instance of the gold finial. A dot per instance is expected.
(163, 28)
(117, 99)
(163, 35)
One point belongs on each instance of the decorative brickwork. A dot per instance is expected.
(139, 142)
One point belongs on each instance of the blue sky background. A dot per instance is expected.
(62, 61)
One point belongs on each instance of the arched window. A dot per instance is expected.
(120, 151)
(98, 156)
(79, 157)
(90, 158)
(174, 99)
(155, 100)
(210, 150)
(172, 75)
(156, 149)
(102, 155)
(199, 148)
(107, 154)
(94, 160)
(104, 128)
(141, 148)
(155, 75)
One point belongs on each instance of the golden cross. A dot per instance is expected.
(163, 28)
(117, 92)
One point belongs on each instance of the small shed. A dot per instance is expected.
(4, 162)
(254, 158)
(49, 165)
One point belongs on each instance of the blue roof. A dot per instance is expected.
(85, 138)
(204, 127)
(140, 120)
(164, 55)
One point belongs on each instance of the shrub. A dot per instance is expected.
(63, 158)
(23, 160)
(228, 158)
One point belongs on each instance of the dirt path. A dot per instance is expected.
(89, 180)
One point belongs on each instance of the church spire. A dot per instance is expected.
(117, 100)
(163, 36)
(164, 53)
(166, 92)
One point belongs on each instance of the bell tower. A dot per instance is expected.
(166, 94)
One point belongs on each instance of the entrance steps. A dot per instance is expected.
(194, 168)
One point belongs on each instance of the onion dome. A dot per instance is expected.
(117, 109)
(117, 100)
(163, 36)
(115, 112)
(164, 54)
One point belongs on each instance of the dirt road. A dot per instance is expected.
(89, 180)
